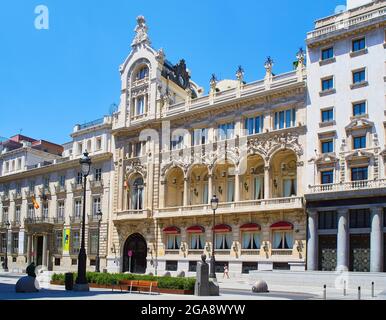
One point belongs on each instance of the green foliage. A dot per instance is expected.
(114, 278)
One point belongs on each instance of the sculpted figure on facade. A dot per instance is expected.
(141, 32)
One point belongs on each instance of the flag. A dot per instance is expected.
(126, 185)
(35, 203)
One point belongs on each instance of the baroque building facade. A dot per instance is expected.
(175, 148)
(295, 159)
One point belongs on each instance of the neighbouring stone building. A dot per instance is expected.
(49, 234)
(346, 198)
(295, 159)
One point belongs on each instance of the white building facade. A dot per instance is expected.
(346, 175)
(43, 201)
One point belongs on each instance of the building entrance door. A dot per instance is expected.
(39, 251)
(134, 254)
(360, 252)
(327, 253)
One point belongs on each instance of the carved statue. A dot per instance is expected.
(141, 32)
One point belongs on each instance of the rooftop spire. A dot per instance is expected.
(141, 32)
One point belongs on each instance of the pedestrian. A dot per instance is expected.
(226, 272)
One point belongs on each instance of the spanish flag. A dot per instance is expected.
(35, 203)
(126, 185)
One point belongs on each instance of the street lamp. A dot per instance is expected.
(214, 205)
(7, 224)
(97, 262)
(81, 283)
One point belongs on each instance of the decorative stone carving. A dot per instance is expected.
(269, 145)
(160, 56)
(135, 167)
(141, 32)
(240, 74)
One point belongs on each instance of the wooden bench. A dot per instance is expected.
(139, 286)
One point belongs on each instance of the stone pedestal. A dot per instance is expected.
(205, 286)
(81, 287)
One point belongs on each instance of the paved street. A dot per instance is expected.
(230, 290)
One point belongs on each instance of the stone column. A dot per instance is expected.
(312, 241)
(376, 244)
(343, 239)
(210, 188)
(29, 247)
(35, 246)
(237, 186)
(186, 190)
(44, 261)
(267, 185)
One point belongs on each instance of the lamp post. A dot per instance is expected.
(214, 205)
(81, 283)
(7, 224)
(97, 260)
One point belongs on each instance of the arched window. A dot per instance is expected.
(142, 73)
(137, 194)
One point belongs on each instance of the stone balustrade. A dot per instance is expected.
(348, 186)
(233, 207)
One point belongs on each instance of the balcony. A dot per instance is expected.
(281, 252)
(38, 220)
(348, 186)
(335, 24)
(233, 207)
(132, 215)
(76, 187)
(76, 219)
(248, 252)
(17, 195)
(15, 224)
(44, 191)
(96, 184)
(93, 218)
(60, 189)
(59, 220)
(29, 193)
(4, 197)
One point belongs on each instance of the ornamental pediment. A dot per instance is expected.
(359, 154)
(360, 123)
(326, 158)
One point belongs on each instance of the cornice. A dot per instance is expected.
(53, 168)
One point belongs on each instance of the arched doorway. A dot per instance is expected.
(136, 244)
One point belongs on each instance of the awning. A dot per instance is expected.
(222, 228)
(282, 225)
(195, 229)
(250, 227)
(171, 230)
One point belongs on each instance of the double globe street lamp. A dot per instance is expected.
(81, 283)
(214, 205)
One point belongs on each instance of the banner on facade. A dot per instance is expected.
(66, 240)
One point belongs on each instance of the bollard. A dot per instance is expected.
(324, 292)
(372, 290)
(359, 293)
(344, 289)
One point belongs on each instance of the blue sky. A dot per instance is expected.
(52, 79)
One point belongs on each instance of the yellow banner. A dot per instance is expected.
(66, 240)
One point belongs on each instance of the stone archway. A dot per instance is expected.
(136, 243)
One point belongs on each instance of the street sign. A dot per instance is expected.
(130, 253)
